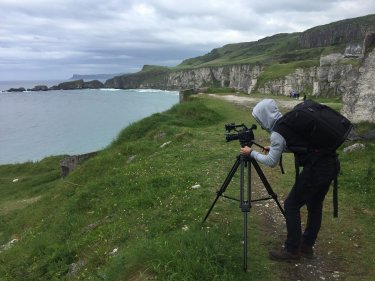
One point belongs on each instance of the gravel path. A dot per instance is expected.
(250, 101)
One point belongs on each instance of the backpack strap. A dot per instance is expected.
(335, 186)
(281, 164)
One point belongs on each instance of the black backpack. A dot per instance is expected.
(314, 127)
(318, 125)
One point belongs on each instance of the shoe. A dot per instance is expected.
(307, 251)
(284, 255)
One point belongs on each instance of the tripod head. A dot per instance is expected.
(246, 137)
(244, 134)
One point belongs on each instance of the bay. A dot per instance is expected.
(34, 125)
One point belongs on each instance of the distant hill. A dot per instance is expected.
(289, 47)
(94, 76)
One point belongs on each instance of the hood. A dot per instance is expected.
(266, 113)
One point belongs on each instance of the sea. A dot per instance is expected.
(34, 125)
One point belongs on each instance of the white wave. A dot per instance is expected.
(140, 90)
(110, 89)
(155, 91)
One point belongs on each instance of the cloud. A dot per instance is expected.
(112, 36)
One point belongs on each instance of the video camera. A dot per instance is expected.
(244, 134)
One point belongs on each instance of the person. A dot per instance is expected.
(292, 93)
(310, 187)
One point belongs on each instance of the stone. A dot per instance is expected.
(39, 88)
(21, 89)
(359, 100)
(69, 163)
(354, 147)
(353, 50)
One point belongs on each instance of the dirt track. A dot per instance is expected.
(250, 101)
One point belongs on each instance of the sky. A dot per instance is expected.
(54, 39)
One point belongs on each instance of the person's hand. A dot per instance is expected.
(245, 150)
(266, 149)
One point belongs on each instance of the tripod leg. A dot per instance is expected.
(266, 184)
(245, 202)
(245, 241)
(224, 185)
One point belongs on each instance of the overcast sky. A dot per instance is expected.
(52, 39)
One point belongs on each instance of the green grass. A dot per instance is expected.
(276, 71)
(130, 212)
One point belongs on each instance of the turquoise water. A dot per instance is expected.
(34, 125)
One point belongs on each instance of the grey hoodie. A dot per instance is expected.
(266, 113)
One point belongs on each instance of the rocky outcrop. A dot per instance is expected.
(340, 32)
(336, 75)
(70, 85)
(39, 88)
(240, 77)
(359, 99)
(95, 84)
(78, 84)
(154, 79)
(301, 80)
(21, 89)
(319, 37)
(69, 163)
(333, 77)
(94, 76)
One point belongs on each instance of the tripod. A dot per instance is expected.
(245, 194)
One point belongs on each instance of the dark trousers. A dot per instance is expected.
(309, 189)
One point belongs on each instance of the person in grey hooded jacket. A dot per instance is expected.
(266, 113)
(309, 189)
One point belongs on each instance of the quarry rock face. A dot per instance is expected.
(338, 33)
(240, 77)
(359, 100)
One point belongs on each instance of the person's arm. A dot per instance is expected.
(278, 145)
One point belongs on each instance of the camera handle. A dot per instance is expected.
(245, 195)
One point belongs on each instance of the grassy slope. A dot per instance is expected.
(280, 54)
(277, 49)
(115, 219)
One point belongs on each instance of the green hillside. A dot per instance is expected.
(285, 47)
(131, 212)
(280, 47)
